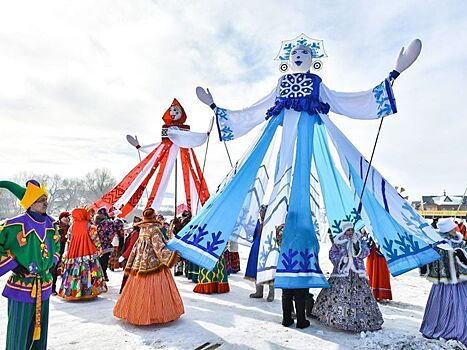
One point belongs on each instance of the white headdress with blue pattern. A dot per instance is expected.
(316, 47)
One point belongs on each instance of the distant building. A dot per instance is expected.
(442, 206)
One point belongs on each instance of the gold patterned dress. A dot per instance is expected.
(150, 295)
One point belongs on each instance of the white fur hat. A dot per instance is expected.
(346, 225)
(446, 225)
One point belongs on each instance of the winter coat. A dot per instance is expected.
(106, 231)
(347, 255)
(449, 269)
(149, 253)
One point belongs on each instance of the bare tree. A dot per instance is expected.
(64, 193)
(72, 194)
(9, 205)
(98, 182)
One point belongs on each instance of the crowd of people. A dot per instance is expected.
(81, 245)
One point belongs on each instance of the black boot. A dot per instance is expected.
(300, 301)
(287, 305)
(309, 303)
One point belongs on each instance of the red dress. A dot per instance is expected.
(378, 274)
(82, 274)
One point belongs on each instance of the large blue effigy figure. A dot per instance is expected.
(291, 147)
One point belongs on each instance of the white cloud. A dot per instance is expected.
(76, 77)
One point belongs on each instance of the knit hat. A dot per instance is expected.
(27, 196)
(63, 214)
(446, 225)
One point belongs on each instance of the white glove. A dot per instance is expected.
(345, 259)
(205, 97)
(407, 57)
(120, 259)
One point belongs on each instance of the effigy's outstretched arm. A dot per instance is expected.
(377, 102)
(205, 96)
(406, 58)
(232, 124)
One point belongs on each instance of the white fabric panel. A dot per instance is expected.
(195, 203)
(399, 209)
(165, 179)
(239, 163)
(186, 139)
(149, 148)
(278, 203)
(315, 200)
(356, 105)
(138, 180)
(246, 223)
(240, 122)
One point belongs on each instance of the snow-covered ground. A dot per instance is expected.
(232, 320)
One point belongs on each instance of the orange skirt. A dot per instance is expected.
(378, 274)
(150, 299)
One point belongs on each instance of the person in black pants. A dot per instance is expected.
(106, 230)
(303, 301)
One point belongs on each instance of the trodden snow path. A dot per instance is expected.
(229, 321)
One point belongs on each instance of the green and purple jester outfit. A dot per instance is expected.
(30, 247)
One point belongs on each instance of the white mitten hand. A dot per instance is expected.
(133, 141)
(408, 56)
(345, 259)
(205, 96)
(120, 259)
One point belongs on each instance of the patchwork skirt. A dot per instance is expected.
(348, 304)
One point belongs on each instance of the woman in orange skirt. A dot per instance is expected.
(150, 295)
(378, 274)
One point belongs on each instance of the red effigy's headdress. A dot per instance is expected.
(170, 113)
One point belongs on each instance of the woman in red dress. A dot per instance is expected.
(378, 274)
(82, 276)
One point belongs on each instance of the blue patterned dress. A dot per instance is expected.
(291, 148)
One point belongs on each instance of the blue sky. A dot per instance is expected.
(76, 77)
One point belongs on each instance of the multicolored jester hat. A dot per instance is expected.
(292, 147)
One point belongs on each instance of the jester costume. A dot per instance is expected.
(30, 246)
(82, 274)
